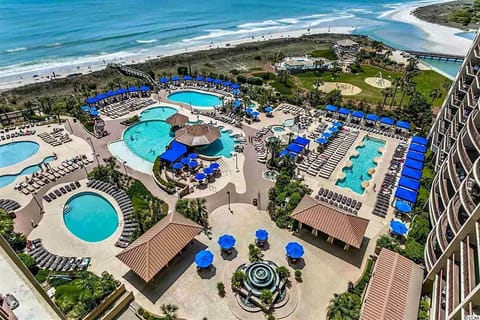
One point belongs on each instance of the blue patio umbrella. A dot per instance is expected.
(226, 241)
(198, 78)
(175, 78)
(217, 81)
(192, 156)
(122, 91)
(403, 206)
(177, 165)
(187, 77)
(268, 109)
(294, 250)
(208, 79)
(164, 80)
(208, 171)
(185, 161)
(85, 108)
(255, 114)
(200, 176)
(327, 135)
(398, 227)
(261, 234)
(236, 86)
(91, 100)
(237, 103)
(95, 113)
(337, 124)
(133, 89)
(204, 259)
(322, 140)
(192, 163)
(144, 88)
(214, 165)
(333, 129)
(227, 83)
(236, 92)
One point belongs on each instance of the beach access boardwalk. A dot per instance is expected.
(435, 56)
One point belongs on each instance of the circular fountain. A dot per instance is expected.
(261, 275)
(270, 175)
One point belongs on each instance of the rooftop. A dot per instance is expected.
(150, 253)
(394, 289)
(322, 217)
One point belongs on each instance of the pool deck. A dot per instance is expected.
(181, 284)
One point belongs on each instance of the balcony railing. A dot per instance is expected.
(462, 154)
(453, 173)
(472, 130)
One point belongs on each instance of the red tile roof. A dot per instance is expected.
(147, 255)
(329, 220)
(394, 289)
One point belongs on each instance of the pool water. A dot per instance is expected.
(5, 180)
(196, 99)
(278, 129)
(15, 152)
(148, 139)
(222, 147)
(157, 113)
(358, 172)
(90, 217)
(289, 122)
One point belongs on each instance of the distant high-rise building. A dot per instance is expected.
(452, 252)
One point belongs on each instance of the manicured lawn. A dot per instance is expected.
(425, 81)
(327, 54)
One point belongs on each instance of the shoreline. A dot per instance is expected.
(44, 75)
(438, 38)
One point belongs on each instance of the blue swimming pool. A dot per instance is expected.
(358, 172)
(5, 180)
(157, 113)
(196, 99)
(15, 152)
(90, 217)
(149, 139)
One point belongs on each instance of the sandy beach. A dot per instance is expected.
(41, 75)
(438, 38)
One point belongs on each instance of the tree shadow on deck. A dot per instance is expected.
(154, 289)
(353, 256)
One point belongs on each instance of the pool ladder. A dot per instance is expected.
(67, 209)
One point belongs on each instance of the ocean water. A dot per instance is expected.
(41, 35)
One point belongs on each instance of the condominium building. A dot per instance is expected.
(452, 249)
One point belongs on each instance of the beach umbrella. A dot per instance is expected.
(333, 129)
(175, 78)
(187, 77)
(237, 103)
(85, 108)
(192, 156)
(236, 86)
(208, 171)
(403, 206)
(91, 100)
(123, 90)
(208, 79)
(198, 78)
(294, 250)
(227, 83)
(327, 135)
(226, 241)
(255, 114)
(322, 140)
(144, 88)
(337, 124)
(214, 165)
(185, 161)
(268, 109)
(261, 234)
(398, 227)
(133, 89)
(177, 165)
(200, 176)
(164, 80)
(192, 163)
(204, 259)
(217, 81)
(236, 92)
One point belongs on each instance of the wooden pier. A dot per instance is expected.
(436, 56)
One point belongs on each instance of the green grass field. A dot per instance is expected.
(426, 81)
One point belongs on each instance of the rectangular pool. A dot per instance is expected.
(359, 171)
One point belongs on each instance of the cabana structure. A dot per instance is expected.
(157, 247)
(304, 142)
(177, 120)
(394, 289)
(371, 119)
(357, 116)
(197, 135)
(406, 194)
(387, 122)
(331, 108)
(174, 152)
(344, 113)
(322, 218)
(403, 125)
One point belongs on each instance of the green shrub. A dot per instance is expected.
(42, 275)
(298, 274)
(241, 79)
(255, 81)
(29, 262)
(140, 311)
(146, 315)
(221, 289)
(283, 272)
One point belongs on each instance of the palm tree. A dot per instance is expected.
(238, 277)
(397, 83)
(387, 92)
(273, 145)
(345, 306)
(434, 94)
(6, 223)
(319, 82)
(169, 311)
(283, 76)
(407, 89)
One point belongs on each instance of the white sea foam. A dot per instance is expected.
(53, 45)
(15, 50)
(147, 41)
